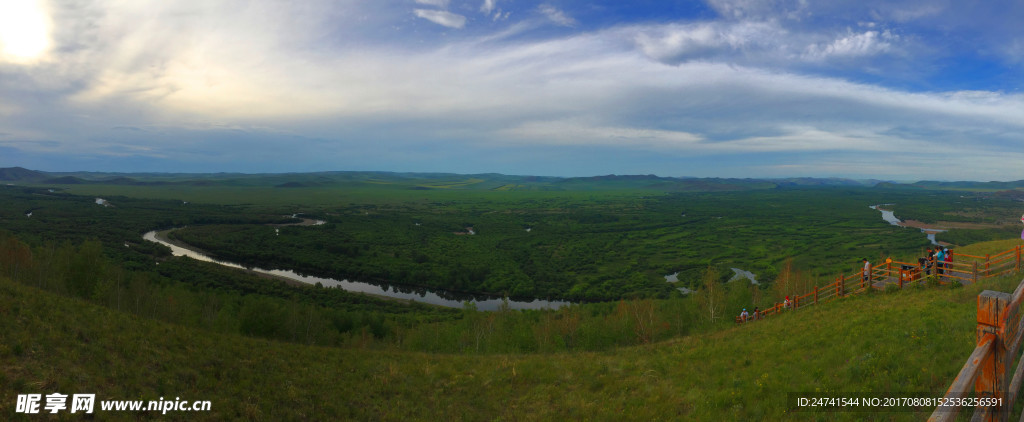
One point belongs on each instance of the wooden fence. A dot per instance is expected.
(998, 336)
(964, 268)
(999, 333)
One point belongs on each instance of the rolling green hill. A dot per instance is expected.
(914, 340)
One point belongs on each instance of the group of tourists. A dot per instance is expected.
(744, 316)
(940, 259)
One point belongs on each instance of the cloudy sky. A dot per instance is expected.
(896, 89)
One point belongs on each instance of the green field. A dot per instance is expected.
(915, 340)
(80, 285)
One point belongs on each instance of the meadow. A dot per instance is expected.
(913, 340)
(607, 248)
(81, 286)
(594, 247)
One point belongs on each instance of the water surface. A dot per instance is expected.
(419, 294)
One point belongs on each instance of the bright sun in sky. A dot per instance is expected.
(24, 30)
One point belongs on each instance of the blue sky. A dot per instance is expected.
(904, 90)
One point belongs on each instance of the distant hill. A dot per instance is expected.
(968, 185)
(810, 181)
(894, 185)
(481, 181)
(121, 181)
(66, 180)
(18, 174)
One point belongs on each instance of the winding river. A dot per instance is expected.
(421, 295)
(890, 217)
(424, 295)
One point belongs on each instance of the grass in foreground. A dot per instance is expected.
(914, 340)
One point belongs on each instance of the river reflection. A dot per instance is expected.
(890, 217)
(419, 294)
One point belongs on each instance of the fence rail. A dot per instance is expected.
(999, 333)
(964, 268)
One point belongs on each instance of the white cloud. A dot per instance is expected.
(581, 133)
(868, 43)
(759, 44)
(438, 3)
(442, 17)
(488, 6)
(759, 9)
(556, 15)
(184, 66)
(913, 12)
(673, 43)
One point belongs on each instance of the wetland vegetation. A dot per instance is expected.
(604, 244)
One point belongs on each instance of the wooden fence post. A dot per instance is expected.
(987, 259)
(975, 276)
(815, 295)
(1018, 258)
(993, 376)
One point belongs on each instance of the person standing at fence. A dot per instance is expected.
(949, 262)
(929, 261)
(940, 260)
(757, 314)
(788, 303)
(867, 271)
(743, 315)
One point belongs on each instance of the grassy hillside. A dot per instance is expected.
(915, 340)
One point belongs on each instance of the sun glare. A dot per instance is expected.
(24, 30)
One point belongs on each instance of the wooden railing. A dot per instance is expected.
(998, 336)
(964, 269)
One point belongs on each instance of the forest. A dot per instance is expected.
(609, 250)
(567, 247)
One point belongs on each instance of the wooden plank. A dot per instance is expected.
(1005, 252)
(992, 380)
(964, 379)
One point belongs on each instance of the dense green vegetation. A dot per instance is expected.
(209, 296)
(598, 238)
(915, 340)
(75, 277)
(969, 236)
(958, 206)
(581, 245)
(59, 217)
(204, 295)
(596, 248)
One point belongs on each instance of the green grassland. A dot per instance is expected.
(590, 238)
(583, 246)
(914, 340)
(88, 307)
(332, 188)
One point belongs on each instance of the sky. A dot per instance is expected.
(895, 89)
